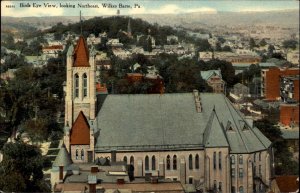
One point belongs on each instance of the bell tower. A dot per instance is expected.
(80, 84)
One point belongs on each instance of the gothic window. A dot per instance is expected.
(233, 172)
(241, 189)
(168, 163)
(232, 158)
(254, 170)
(197, 161)
(259, 170)
(84, 77)
(146, 163)
(76, 154)
(215, 160)
(82, 154)
(125, 159)
(215, 185)
(254, 157)
(240, 159)
(220, 160)
(132, 160)
(153, 163)
(76, 86)
(190, 162)
(174, 162)
(259, 156)
(220, 186)
(241, 173)
(232, 189)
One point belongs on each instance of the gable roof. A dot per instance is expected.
(80, 131)
(214, 135)
(170, 121)
(63, 157)
(81, 54)
(207, 74)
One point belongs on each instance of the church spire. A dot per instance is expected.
(80, 23)
(129, 28)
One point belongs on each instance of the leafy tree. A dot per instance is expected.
(227, 49)
(21, 168)
(252, 43)
(271, 49)
(284, 165)
(262, 42)
(202, 45)
(290, 44)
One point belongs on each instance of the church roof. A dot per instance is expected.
(81, 54)
(80, 131)
(63, 158)
(170, 121)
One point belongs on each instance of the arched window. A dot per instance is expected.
(232, 189)
(174, 162)
(259, 156)
(232, 159)
(125, 159)
(197, 161)
(76, 154)
(146, 163)
(215, 160)
(254, 157)
(220, 160)
(168, 163)
(241, 159)
(84, 86)
(76, 86)
(190, 162)
(215, 185)
(132, 160)
(82, 154)
(153, 163)
(220, 186)
(241, 189)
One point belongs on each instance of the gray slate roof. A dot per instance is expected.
(290, 133)
(170, 121)
(63, 158)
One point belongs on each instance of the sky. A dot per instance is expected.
(13, 9)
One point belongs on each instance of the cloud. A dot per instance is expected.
(141, 10)
(257, 9)
(29, 11)
(166, 9)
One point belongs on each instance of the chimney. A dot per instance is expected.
(197, 101)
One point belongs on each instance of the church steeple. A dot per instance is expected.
(81, 54)
(129, 29)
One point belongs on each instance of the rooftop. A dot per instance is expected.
(170, 121)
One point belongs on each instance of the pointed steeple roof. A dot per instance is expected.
(214, 135)
(80, 131)
(63, 157)
(81, 54)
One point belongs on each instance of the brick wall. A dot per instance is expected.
(288, 113)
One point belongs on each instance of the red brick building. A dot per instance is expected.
(270, 87)
(289, 114)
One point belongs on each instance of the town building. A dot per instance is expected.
(214, 79)
(270, 87)
(197, 139)
(52, 51)
(289, 88)
(289, 114)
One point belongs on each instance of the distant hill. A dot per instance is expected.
(289, 18)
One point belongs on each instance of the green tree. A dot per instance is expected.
(252, 43)
(290, 44)
(21, 168)
(284, 165)
(262, 42)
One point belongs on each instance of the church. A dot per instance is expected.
(192, 138)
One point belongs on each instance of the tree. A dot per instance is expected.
(252, 43)
(284, 165)
(271, 49)
(290, 44)
(262, 42)
(21, 168)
